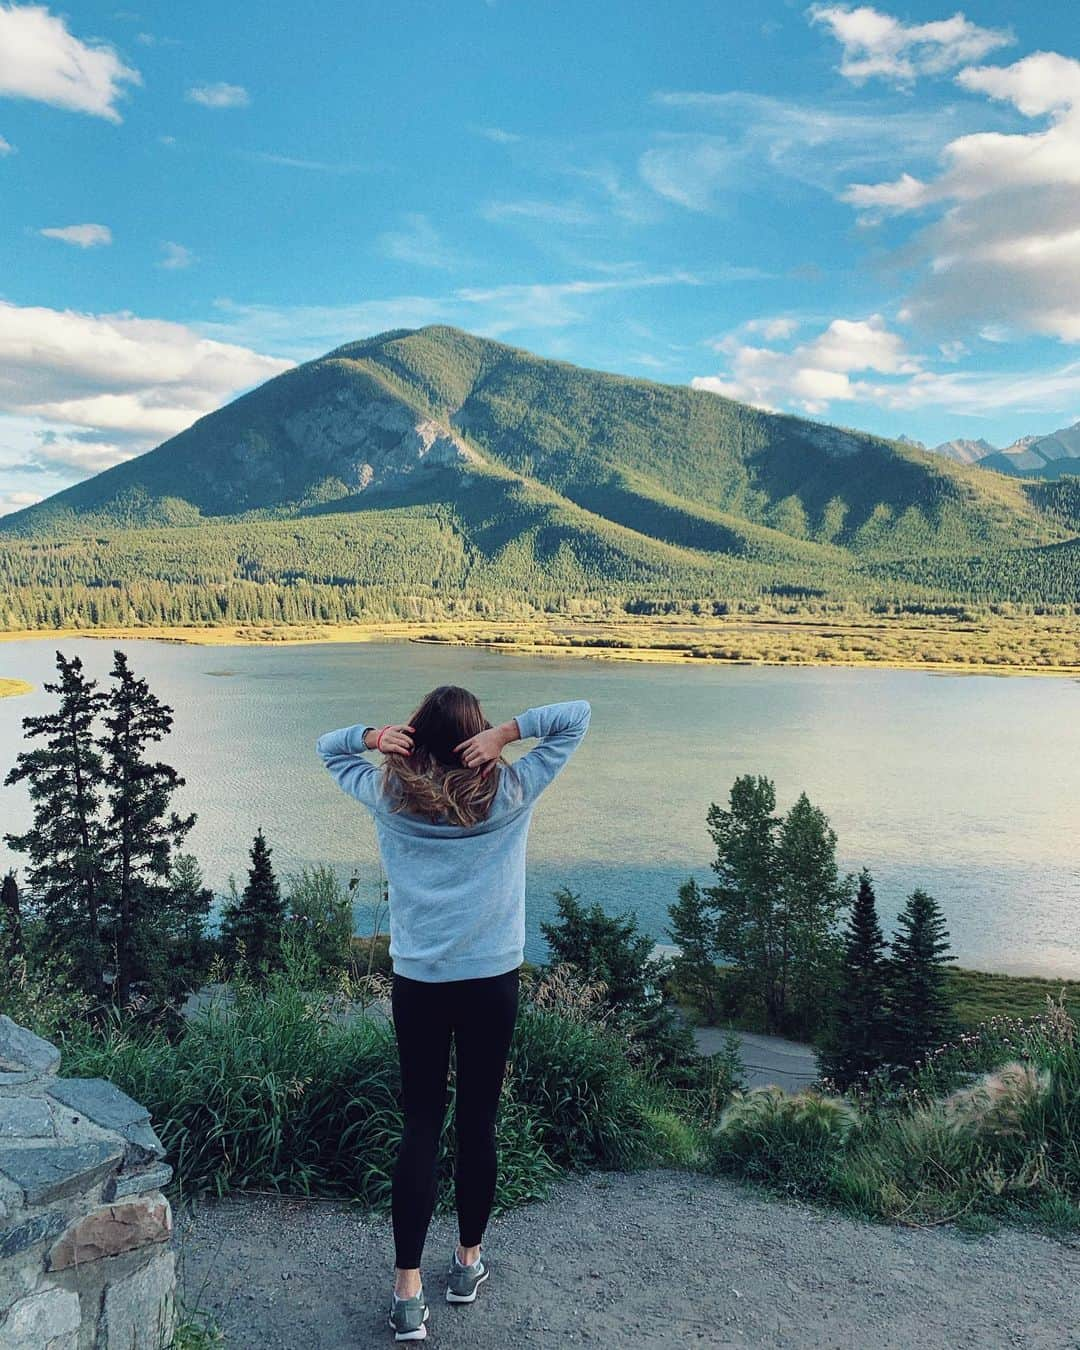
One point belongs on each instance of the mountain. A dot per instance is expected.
(1040, 456)
(433, 462)
(1028, 457)
(392, 416)
(965, 451)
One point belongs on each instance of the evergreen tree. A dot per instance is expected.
(10, 920)
(777, 901)
(140, 836)
(180, 949)
(693, 932)
(610, 948)
(255, 918)
(858, 1040)
(64, 845)
(922, 1016)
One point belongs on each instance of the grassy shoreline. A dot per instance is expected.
(1034, 645)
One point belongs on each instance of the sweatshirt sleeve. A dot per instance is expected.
(560, 728)
(342, 752)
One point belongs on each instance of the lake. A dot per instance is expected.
(967, 786)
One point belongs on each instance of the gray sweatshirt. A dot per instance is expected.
(457, 892)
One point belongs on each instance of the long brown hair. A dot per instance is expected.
(432, 781)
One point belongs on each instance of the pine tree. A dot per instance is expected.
(10, 920)
(611, 948)
(180, 949)
(858, 1038)
(921, 1012)
(65, 843)
(255, 919)
(140, 836)
(693, 932)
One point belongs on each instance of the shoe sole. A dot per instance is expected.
(451, 1297)
(420, 1334)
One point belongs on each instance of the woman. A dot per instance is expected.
(451, 816)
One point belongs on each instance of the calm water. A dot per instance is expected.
(968, 787)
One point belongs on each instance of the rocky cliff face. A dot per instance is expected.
(371, 442)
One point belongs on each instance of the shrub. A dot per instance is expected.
(999, 1102)
(290, 1089)
(791, 1139)
(320, 908)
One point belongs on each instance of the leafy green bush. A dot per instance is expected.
(279, 1089)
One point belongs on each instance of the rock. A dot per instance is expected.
(25, 1118)
(135, 1183)
(20, 1049)
(104, 1104)
(44, 1174)
(11, 1078)
(110, 1230)
(139, 1311)
(25, 1234)
(143, 1145)
(48, 1320)
(98, 1100)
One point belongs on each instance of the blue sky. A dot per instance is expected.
(868, 216)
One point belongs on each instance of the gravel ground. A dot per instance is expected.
(636, 1260)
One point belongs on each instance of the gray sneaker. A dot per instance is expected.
(462, 1282)
(407, 1317)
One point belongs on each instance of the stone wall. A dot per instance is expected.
(85, 1255)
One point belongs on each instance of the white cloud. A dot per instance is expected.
(311, 165)
(15, 501)
(548, 213)
(56, 451)
(505, 309)
(757, 138)
(840, 363)
(176, 256)
(772, 329)
(115, 375)
(81, 236)
(1006, 251)
(418, 243)
(41, 59)
(6, 148)
(309, 330)
(877, 45)
(815, 373)
(498, 135)
(219, 95)
(688, 169)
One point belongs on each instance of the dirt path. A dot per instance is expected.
(641, 1260)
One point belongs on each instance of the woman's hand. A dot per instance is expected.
(394, 740)
(482, 750)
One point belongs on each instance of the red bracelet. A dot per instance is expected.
(379, 736)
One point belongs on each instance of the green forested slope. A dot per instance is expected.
(436, 469)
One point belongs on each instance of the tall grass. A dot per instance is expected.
(990, 1128)
(278, 1090)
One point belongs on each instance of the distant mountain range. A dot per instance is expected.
(421, 465)
(1029, 457)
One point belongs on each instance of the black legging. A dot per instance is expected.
(480, 1015)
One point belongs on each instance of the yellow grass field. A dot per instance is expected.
(10, 687)
(1028, 645)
